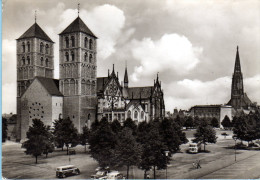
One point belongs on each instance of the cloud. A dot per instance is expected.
(172, 53)
(9, 98)
(186, 93)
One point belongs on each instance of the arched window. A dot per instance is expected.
(67, 42)
(23, 61)
(90, 44)
(28, 46)
(28, 60)
(142, 115)
(67, 56)
(23, 47)
(129, 114)
(47, 62)
(86, 57)
(41, 47)
(83, 87)
(89, 116)
(41, 61)
(135, 114)
(72, 55)
(72, 41)
(72, 87)
(47, 49)
(90, 58)
(86, 42)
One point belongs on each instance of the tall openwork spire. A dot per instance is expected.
(35, 15)
(78, 8)
(126, 78)
(237, 63)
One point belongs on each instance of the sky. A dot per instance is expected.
(191, 44)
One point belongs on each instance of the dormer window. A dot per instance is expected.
(72, 41)
(41, 47)
(67, 56)
(23, 47)
(90, 44)
(86, 42)
(67, 42)
(47, 49)
(90, 58)
(28, 46)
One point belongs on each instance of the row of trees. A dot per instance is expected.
(130, 145)
(247, 127)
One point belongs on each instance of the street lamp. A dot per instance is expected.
(166, 155)
(235, 139)
(69, 152)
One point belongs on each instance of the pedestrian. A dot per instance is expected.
(194, 165)
(147, 176)
(198, 164)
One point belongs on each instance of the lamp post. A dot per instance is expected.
(166, 155)
(69, 152)
(235, 139)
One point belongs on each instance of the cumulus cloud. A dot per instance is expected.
(172, 52)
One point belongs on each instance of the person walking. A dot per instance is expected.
(198, 164)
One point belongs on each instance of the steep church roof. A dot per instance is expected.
(78, 26)
(35, 31)
(140, 92)
(126, 76)
(101, 81)
(51, 85)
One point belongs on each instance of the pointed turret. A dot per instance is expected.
(237, 63)
(126, 78)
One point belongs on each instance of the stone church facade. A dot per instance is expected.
(78, 93)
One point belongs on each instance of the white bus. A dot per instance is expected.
(194, 147)
(64, 171)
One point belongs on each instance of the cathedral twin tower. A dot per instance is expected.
(77, 81)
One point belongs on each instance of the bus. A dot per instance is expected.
(64, 171)
(194, 147)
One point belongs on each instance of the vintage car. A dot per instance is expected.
(64, 171)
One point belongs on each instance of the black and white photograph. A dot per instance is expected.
(130, 89)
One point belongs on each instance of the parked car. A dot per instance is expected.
(102, 168)
(72, 151)
(64, 171)
(99, 174)
(114, 175)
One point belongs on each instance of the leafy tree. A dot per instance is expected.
(214, 122)
(65, 133)
(226, 123)
(130, 124)
(4, 129)
(84, 137)
(38, 139)
(240, 127)
(95, 124)
(189, 122)
(127, 150)
(49, 145)
(172, 136)
(196, 121)
(179, 121)
(102, 141)
(153, 150)
(57, 134)
(205, 133)
(116, 126)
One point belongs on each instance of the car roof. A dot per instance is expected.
(67, 166)
(114, 173)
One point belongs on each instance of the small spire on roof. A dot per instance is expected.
(78, 8)
(35, 15)
(237, 48)
(108, 73)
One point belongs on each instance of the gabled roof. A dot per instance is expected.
(78, 26)
(135, 103)
(51, 85)
(35, 31)
(140, 92)
(101, 81)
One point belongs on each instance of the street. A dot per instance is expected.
(218, 163)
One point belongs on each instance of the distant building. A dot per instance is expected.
(211, 111)
(11, 125)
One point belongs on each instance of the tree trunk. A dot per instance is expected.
(46, 155)
(62, 148)
(36, 159)
(67, 150)
(144, 174)
(204, 147)
(127, 172)
(85, 148)
(154, 172)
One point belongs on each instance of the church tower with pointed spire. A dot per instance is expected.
(126, 78)
(238, 98)
(34, 52)
(78, 67)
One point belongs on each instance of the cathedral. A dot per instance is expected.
(78, 93)
(239, 99)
